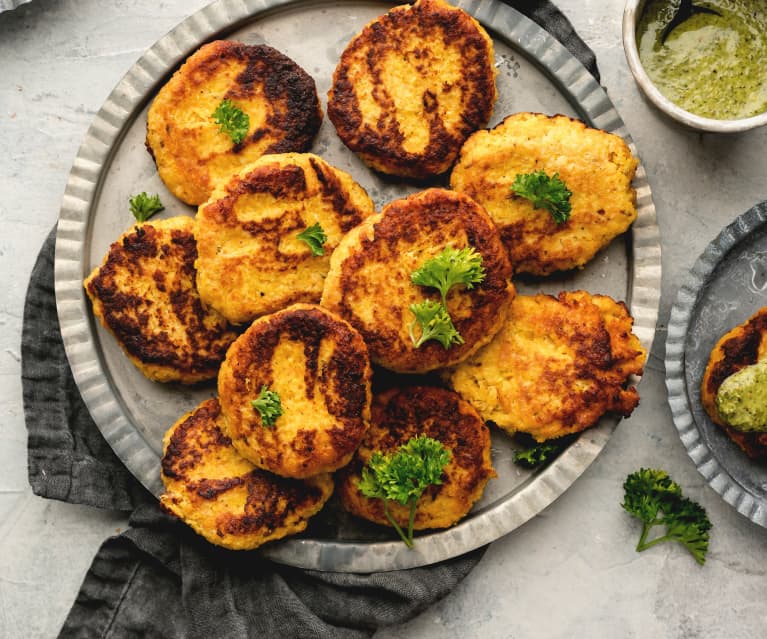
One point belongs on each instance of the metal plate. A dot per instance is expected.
(535, 73)
(726, 286)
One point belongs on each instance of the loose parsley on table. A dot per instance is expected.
(652, 497)
(315, 237)
(268, 405)
(435, 324)
(144, 206)
(231, 120)
(545, 192)
(404, 476)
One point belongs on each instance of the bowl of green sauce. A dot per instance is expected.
(710, 72)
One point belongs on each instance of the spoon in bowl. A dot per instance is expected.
(684, 11)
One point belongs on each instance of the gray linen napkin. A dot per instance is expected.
(159, 579)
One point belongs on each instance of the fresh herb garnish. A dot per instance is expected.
(545, 192)
(144, 206)
(535, 454)
(435, 324)
(404, 476)
(652, 497)
(315, 237)
(268, 405)
(231, 120)
(452, 266)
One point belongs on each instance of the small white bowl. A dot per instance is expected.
(631, 15)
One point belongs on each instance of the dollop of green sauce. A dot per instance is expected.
(712, 66)
(742, 398)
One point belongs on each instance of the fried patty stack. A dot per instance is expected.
(225, 498)
(742, 346)
(251, 260)
(369, 282)
(318, 365)
(412, 86)
(557, 365)
(400, 414)
(409, 92)
(596, 166)
(191, 152)
(144, 293)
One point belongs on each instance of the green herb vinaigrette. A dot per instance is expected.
(712, 66)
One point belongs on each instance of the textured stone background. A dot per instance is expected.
(572, 570)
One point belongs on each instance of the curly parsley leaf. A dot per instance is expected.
(452, 266)
(268, 405)
(315, 237)
(656, 500)
(231, 120)
(403, 477)
(545, 192)
(144, 206)
(435, 324)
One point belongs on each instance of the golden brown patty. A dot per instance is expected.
(412, 86)
(222, 496)
(596, 166)
(558, 364)
(369, 280)
(144, 293)
(251, 261)
(398, 415)
(278, 96)
(319, 367)
(742, 346)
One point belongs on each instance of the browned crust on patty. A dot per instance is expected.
(250, 260)
(742, 346)
(318, 365)
(369, 280)
(144, 293)
(426, 38)
(557, 365)
(597, 167)
(222, 496)
(398, 415)
(278, 95)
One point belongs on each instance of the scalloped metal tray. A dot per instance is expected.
(535, 73)
(727, 284)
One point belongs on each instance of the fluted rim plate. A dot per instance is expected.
(727, 284)
(105, 394)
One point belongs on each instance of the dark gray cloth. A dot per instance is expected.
(68, 458)
(159, 579)
(553, 20)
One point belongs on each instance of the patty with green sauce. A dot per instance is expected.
(742, 347)
(742, 398)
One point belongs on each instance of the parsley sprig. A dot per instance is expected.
(545, 192)
(315, 237)
(536, 454)
(450, 268)
(656, 500)
(231, 120)
(403, 477)
(144, 206)
(435, 323)
(268, 405)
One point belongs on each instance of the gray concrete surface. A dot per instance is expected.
(572, 571)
